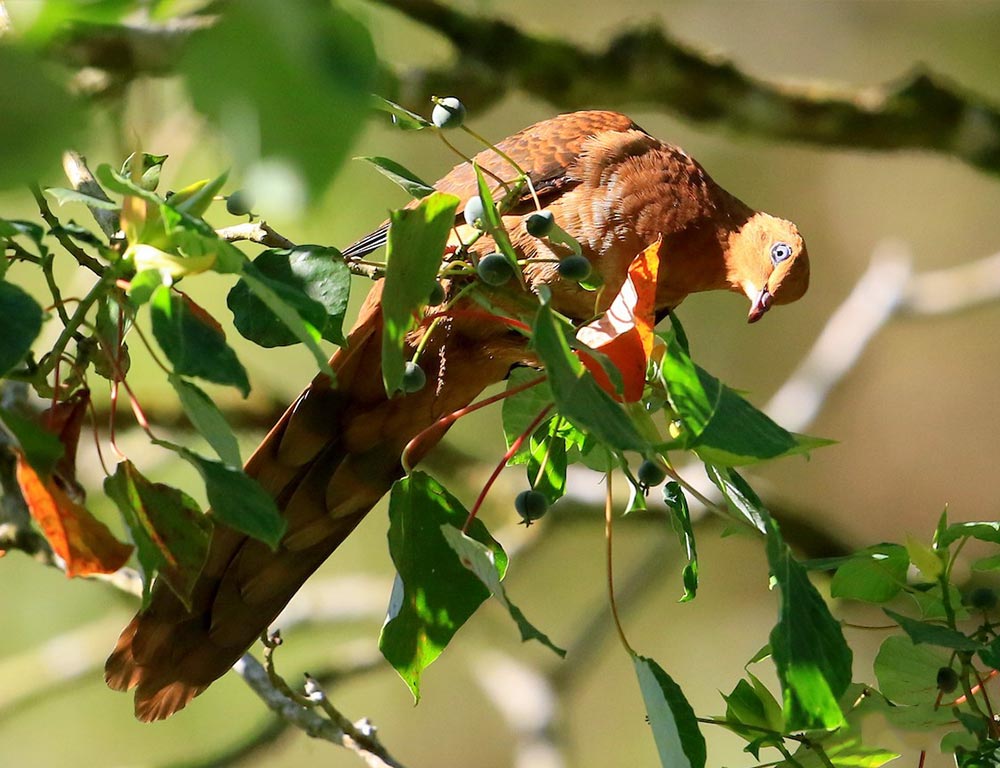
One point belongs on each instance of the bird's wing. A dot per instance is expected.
(545, 152)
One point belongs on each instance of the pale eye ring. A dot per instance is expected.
(780, 252)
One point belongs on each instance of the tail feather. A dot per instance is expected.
(331, 457)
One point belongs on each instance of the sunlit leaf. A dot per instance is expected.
(811, 656)
(312, 279)
(680, 516)
(405, 178)
(417, 237)
(434, 594)
(480, 559)
(675, 729)
(84, 543)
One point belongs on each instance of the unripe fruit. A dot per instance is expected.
(448, 113)
(982, 599)
(437, 295)
(531, 505)
(414, 378)
(240, 203)
(947, 680)
(575, 268)
(475, 212)
(651, 473)
(539, 224)
(494, 269)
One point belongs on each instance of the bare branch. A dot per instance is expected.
(255, 232)
(259, 232)
(647, 66)
(362, 740)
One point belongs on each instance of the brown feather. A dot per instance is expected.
(336, 450)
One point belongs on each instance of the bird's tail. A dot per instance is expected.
(334, 453)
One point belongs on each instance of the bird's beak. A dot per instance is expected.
(760, 305)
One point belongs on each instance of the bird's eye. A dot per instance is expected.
(780, 252)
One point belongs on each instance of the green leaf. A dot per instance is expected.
(40, 447)
(237, 500)
(297, 74)
(479, 559)
(934, 634)
(63, 196)
(546, 468)
(741, 500)
(22, 322)
(197, 202)
(313, 280)
(751, 704)
(20, 227)
(991, 563)
(304, 331)
(675, 729)
(143, 285)
(907, 672)
(41, 119)
(987, 531)
(401, 116)
(680, 517)
(417, 238)
(494, 224)
(518, 411)
(808, 647)
(112, 180)
(720, 426)
(577, 395)
(169, 531)
(405, 178)
(208, 420)
(991, 653)
(434, 594)
(875, 574)
(193, 346)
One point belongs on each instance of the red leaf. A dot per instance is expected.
(79, 538)
(625, 332)
(65, 420)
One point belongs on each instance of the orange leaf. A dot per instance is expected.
(65, 420)
(625, 332)
(79, 538)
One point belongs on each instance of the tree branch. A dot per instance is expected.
(647, 66)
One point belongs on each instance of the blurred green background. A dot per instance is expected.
(917, 419)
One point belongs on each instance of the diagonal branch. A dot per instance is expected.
(647, 66)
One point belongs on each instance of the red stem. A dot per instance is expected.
(514, 448)
(454, 416)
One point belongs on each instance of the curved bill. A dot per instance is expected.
(759, 306)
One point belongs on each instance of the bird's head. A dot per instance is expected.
(768, 263)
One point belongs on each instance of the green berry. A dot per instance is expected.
(947, 680)
(531, 505)
(437, 295)
(651, 473)
(240, 203)
(448, 113)
(475, 212)
(982, 599)
(494, 269)
(539, 224)
(414, 378)
(575, 268)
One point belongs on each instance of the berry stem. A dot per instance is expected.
(451, 418)
(609, 538)
(514, 448)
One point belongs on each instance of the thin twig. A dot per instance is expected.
(83, 258)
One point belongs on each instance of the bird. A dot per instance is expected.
(337, 449)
